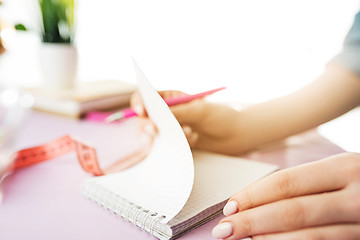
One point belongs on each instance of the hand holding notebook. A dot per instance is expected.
(173, 190)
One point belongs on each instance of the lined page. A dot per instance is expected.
(161, 183)
(217, 178)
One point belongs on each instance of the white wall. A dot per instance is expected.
(259, 49)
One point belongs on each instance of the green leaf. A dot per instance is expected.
(20, 27)
(58, 20)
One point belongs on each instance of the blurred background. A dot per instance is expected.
(259, 49)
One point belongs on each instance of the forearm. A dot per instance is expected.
(332, 94)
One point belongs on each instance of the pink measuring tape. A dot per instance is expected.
(86, 155)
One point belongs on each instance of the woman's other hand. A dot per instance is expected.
(320, 200)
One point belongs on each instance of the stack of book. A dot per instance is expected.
(83, 97)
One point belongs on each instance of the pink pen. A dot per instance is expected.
(127, 113)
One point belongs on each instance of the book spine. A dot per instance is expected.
(142, 218)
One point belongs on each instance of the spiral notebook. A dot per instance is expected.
(173, 190)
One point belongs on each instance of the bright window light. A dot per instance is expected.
(259, 49)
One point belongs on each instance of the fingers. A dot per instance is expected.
(182, 112)
(168, 94)
(147, 126)
(317, 177)
(328, 194)
(333, 232)
(191, 113)
(191, 136)
(292, 214)
(137, 104)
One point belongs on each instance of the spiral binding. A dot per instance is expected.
(147, 213)
(119, 207)
(139, 210)
(152, 225)
(123, 208)
(128, 210)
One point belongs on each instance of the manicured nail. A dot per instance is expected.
(193, 138)
(223, 230)
(230, 208)
(150, 129)
(139, 110)
(187, 130)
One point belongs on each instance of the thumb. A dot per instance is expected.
(136, 103)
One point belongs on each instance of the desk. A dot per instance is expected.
(44, 201)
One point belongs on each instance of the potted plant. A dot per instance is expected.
(2, 48)
(58, 53)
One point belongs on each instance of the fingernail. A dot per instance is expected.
(193, 139)
(139, 110)
(223, 230)
(230, 208)
(150, 129)
(187, 130)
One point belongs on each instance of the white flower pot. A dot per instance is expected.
(58, 62)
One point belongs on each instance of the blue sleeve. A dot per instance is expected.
(350, 54)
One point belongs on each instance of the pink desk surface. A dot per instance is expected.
(44, 201)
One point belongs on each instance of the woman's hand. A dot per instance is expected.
(206, 125)
(320, 200)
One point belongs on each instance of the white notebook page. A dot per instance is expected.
(162, 182)
(217, 178)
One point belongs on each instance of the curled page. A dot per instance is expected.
(161, 183)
